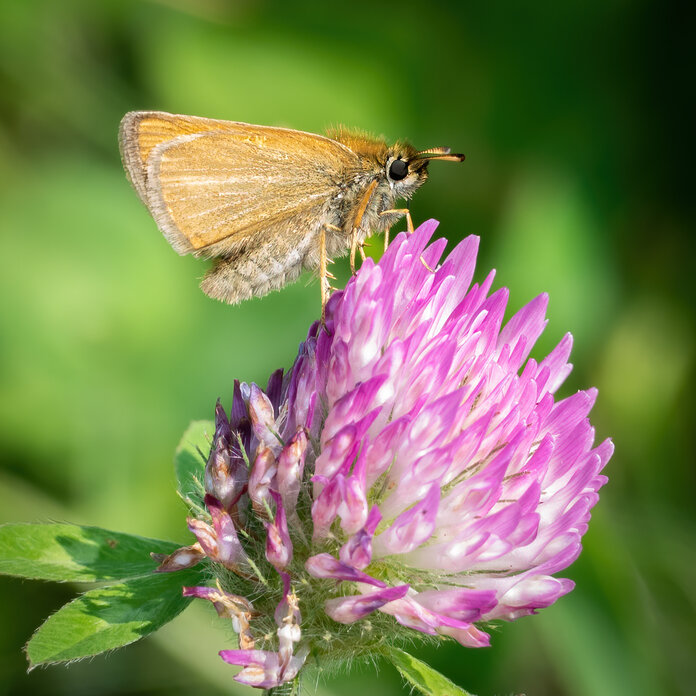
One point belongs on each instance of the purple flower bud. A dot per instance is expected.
(278, 544)
(290, 469)
(262, 668)
(274, 390)
(228, 606)
(220, 542)
(240, 425)
(262, 476)
(263, 418)
(185, 557)
(225, 473)
(288, 618)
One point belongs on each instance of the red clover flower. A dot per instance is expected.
(412, 473)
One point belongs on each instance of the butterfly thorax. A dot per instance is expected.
(370, 183)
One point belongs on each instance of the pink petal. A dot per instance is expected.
(411, 528)
(324, 565)
(347, 610)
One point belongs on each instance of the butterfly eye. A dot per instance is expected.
(398, 170)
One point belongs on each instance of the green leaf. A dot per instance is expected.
(423, 677)
(190, 459)
(69, 552)
(110, 617)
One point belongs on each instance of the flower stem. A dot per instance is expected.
(287, 689)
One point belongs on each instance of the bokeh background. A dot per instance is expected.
(575, 119)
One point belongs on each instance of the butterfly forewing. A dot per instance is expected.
(206, 180)
(142, 131)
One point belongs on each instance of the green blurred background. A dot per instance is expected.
(574, 117)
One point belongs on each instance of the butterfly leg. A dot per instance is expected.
(353, 248)
(323, 272)
(409, 227)
(325, 276)
(409, 223)
(402, 211)
(361, 249)
(356, 246)
(362, 207)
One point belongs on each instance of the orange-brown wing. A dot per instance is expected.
(205, 180)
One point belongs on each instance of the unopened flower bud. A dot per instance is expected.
(262, 475)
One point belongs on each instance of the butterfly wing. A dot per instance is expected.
(211, 184)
